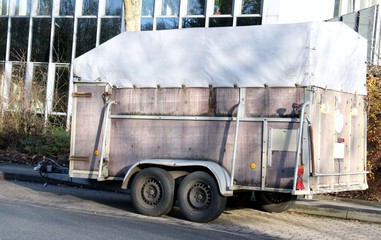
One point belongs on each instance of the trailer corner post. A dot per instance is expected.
(240, 104)
(105, 133)
(299, 146)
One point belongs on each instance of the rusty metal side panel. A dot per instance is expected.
(259, 102)
(164, 102)
(133, 140)
(272, 102)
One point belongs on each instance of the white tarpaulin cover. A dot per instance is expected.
(327, 55)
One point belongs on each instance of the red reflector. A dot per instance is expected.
(299, 181)
(340, 140)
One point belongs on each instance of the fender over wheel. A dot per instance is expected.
(199, 198)
(152, 192)
(275, 201)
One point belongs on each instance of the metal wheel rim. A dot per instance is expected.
(200, 196)
(151, 192)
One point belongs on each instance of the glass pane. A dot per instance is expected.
(110, 27)
(170, 8)
(41, 39)
(67, 7)
(113, 7)
(90, 7)
(63, 40)
(3, 37)
(40, 76)
(167, 23)
(246, 21)
(3, 7)
(45, 7)
(147, 7)
(221, 22)
(223, 7)
(251, 6)
(19, 38)
(146, 24)
(86, 37)
(16, 88)
(196, 7)
(193, 22)
(61, 89)
(22, 7)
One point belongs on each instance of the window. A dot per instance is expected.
(67, 7)
(169, 11)
(193, 22)
(41, 39)
(19, 39)
(3, 7)
(221, 22)
(3, 37)
(167, 23)
(61, 88)
(113, 7)
(223, 7)
(146, 24)
(196, 7)
(86, 38)
(63, 40)
(248, 21)
(170, 8)
(148, 7)
(45, 7)
(22, 7)
(16, 87)
(251, 7)
(110, 27)
(90, 7)
(40, 77)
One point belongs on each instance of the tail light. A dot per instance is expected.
(299, 181)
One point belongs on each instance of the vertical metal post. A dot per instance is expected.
(105, 133)
(299, 147)
(241, 102)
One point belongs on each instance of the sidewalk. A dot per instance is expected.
(320, 205)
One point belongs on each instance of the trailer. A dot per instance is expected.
(197, 116)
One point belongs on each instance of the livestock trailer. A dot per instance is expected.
(195, 116)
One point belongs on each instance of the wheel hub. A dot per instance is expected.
(200, 196)
(151, 192)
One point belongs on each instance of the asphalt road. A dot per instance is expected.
(24, 221)
(32, 211)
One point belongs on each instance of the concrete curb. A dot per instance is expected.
(337, 213)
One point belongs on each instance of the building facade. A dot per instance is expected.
(39, 39)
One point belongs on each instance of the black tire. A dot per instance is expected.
(275, 201)
(199, 198)
(152, 192)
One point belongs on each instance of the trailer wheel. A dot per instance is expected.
(152, 192)
(275, 201)
(199, 198)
